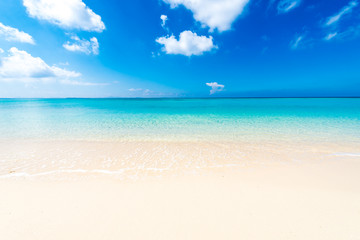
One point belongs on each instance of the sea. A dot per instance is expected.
(134, 138)
(230, 119)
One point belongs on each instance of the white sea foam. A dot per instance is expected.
(98, 171)
(75, 171)
(347, 154)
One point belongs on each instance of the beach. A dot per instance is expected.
(77, 169)
(179, 120)
(291, 201)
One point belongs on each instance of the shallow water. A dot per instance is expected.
(306, 119)
(128, 138)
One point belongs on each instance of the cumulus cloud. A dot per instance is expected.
(216, 14)
(82, 45)
(12, 34)
(163, 18)
(1, 50)
(285, 6)
(346, 10)
(215, 87)
(68, 14)
(189, 44)
(21, 66)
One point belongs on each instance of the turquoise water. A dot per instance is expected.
(320, 119)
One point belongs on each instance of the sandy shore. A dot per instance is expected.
(137, 159)
(307, 200)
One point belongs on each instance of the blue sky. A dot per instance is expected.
(179, 48)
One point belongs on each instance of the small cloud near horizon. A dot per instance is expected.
(215, 87)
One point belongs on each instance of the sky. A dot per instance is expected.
(179, 48)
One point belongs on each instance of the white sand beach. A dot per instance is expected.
(179, 120)
(220, 199)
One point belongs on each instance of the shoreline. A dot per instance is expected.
(122, 159)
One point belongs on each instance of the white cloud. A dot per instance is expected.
(350, 32)
(79, 83)
(1, 50)
(21, 66)
(163, 18)
(346, 10)
(215, 87)
(189, 43)
(216, 14)
(13, 34)
(285, 6)
(83, 45)
(64, 63)
(296, 43)
(330, 36)
(68, 14)
(142, 92)
(135, 89)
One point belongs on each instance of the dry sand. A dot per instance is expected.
(314, 199)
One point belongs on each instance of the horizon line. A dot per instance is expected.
(144, 98)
